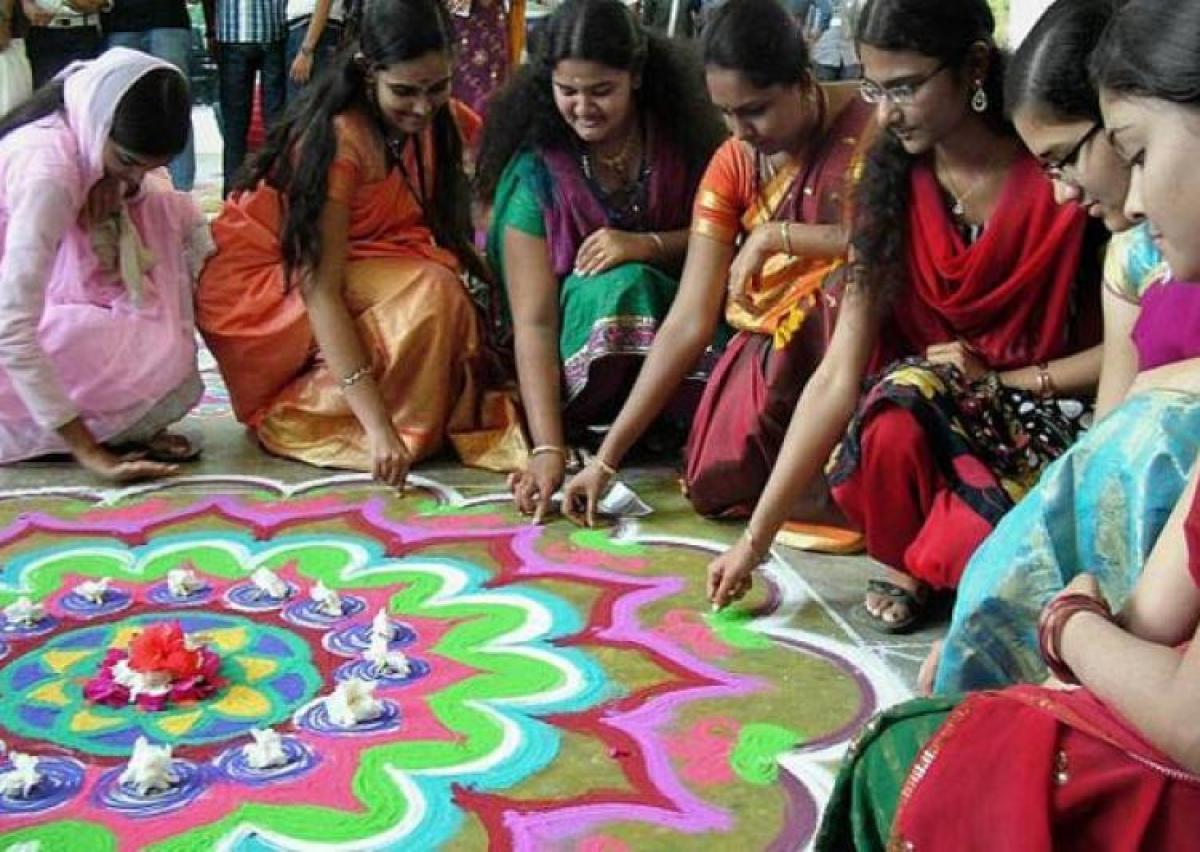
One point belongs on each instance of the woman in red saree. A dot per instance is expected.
(766, 249)
(967, 273)
(1112, 766)
(337, 304)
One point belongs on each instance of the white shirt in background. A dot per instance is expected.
(304, 8)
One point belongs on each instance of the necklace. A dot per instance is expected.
(961, 198)
(617, 163)
(396, 149)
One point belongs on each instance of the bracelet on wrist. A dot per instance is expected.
(785, 234)
(658, 242)
(543, 449)
(1045, 382)
(355, 377)
(605, 468)
(1050, 627)
(307, 51)
(755, 551)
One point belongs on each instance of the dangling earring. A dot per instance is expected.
(979, 100)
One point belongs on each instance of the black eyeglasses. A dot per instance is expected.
(1057, 169)
(901, 94)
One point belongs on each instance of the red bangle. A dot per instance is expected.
(1050, 627)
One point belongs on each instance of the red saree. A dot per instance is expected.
(1024, 769)
(1064, 773)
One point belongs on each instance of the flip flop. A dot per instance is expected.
(899, 595)
(820, 538)
(171, 448)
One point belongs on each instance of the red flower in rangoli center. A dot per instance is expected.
(163, 648)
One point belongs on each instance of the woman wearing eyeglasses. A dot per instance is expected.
(767, 251)
(967, 275)
(1106, 500)
(1113, 764)
(337, 305)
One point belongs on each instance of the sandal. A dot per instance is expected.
(913, 602)
(170, 448)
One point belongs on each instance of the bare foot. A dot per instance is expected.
(896, 601)
(928, 670)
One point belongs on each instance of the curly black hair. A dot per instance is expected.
(302, 145)
(523, 113)
(945, 30)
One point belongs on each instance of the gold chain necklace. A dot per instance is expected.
(618, 163)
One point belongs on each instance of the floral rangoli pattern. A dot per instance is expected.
(568, 688)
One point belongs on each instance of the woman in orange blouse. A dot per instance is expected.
(768, 240)
(337, 304)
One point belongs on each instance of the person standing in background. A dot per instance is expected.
(314, 31)
(483, 59)
(830, 28)
(60, 32)
(162, 29)
(247, 38)
(16, 80)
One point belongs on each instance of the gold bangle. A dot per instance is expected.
(356, 377)
(1045, 388)
(754, 551)
(604, 466)
(542, 449)
(658, 241)
(786, 234)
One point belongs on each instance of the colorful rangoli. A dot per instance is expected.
(567, 689)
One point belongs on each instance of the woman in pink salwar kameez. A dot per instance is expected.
(97, 338)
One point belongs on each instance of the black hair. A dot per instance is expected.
(301, 147)
(1049, 68)
(523, 113)
(757, 38)
(1149, 50)
(152, 119)
(945, 30)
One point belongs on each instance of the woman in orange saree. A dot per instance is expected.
(337, 304)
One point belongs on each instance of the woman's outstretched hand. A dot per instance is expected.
(731, 575)
(390, 460)
(582, 494)
(533, 487)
